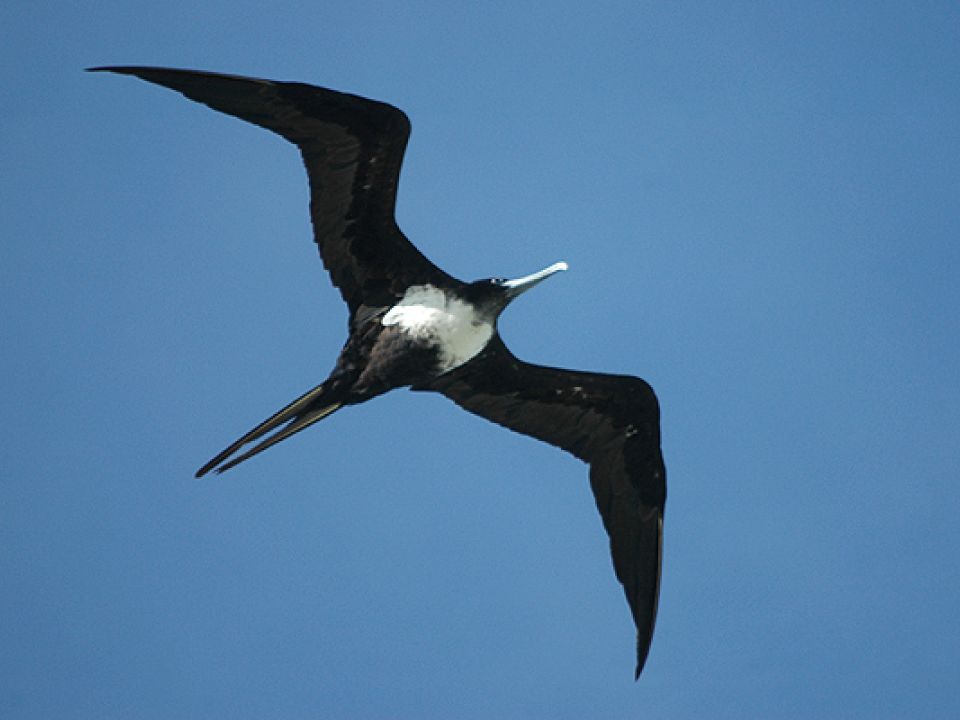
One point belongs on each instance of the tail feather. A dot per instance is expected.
(303, 412)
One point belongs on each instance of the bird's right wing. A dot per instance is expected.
(611, 422)
(352, 148)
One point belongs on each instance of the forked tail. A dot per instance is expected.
(301, 413)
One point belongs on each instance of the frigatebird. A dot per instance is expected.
(413, 325)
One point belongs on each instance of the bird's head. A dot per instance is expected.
(492, 295)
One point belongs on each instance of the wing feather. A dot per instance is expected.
(352, 148)
(611, 422)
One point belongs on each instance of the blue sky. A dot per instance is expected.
(758, 203)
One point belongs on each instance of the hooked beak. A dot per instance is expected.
(519, 286)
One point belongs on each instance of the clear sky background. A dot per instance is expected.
(759, 205)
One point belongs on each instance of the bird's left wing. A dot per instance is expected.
(611, 422)
(352, 148)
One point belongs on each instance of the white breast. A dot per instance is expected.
(426, 313)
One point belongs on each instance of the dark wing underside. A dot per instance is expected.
(611, 422)
(352, 148)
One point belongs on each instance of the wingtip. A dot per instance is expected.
(137, 70)
(643, 650)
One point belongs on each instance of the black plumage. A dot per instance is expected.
(353, 149)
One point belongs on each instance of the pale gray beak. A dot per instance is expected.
(521, 285)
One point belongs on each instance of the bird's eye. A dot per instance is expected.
(497, 281)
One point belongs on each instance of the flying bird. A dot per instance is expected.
(413, 325)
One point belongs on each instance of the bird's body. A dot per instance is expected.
(428, 315)
(411, 324)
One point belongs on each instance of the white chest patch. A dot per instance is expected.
(426, 313)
